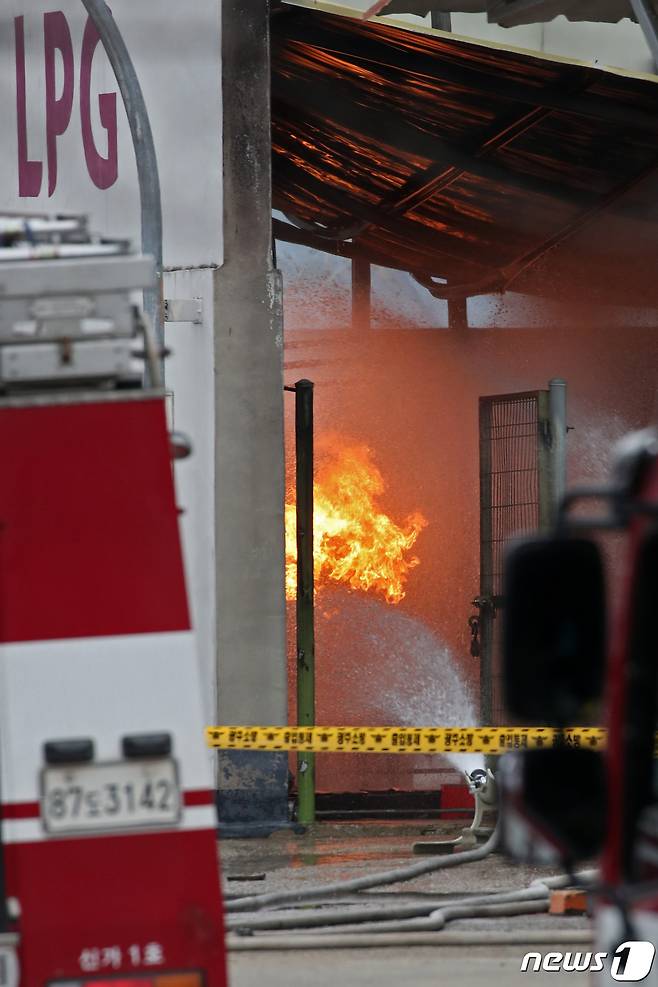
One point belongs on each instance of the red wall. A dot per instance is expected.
(412, 397)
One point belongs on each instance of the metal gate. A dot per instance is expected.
(522, 477)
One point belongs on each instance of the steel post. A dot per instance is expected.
(557, 405)
(305, 601)
(545, 513)
(487, 587)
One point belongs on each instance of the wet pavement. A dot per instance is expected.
(331, 852)
(417, 967)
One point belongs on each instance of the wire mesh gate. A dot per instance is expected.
(521, 470)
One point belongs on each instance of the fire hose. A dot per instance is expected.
(403, 924)
(402, 939)
(482, 785)
(349, 916)
(397, 875)
(414, 917)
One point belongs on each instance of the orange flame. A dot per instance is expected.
(354, 542)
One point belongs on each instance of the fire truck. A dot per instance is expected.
(580, 648)
(108, 857)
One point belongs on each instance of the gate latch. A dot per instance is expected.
(482, 604)
(474, 627)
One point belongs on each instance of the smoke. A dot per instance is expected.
(591, 447)
(408, 388)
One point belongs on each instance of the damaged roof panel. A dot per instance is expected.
(511, 13)
(443, 157)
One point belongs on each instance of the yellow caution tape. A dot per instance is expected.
(401, 740)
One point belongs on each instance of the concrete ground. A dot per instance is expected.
(418, 967)
(337, 851)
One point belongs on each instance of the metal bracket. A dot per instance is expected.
(441, 22)
(183, 310)
(482, 786)
(495, 602)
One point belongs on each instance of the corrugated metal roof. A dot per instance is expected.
(450, 159)
(511, 14)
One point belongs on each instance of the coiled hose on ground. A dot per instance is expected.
(427, 916)
(411, 923)
(381, 879)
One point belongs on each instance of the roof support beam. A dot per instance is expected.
(423, 186)
(336, 106)
(338, 248)
(454, 249)
(345, 248)
(513, 270)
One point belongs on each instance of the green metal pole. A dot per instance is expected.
(305, 602)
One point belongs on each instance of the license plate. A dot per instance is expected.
(117, 795)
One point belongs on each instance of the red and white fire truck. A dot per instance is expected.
(567, 662)
(108, 858)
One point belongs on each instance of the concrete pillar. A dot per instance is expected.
(249, 480)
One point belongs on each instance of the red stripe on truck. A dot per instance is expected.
(89, 542)
(31, 810)
(21, 810)
(199, 796)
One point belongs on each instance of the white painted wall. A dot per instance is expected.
(477, 26)
(190, 377)
(177, 54)
(621, 45)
